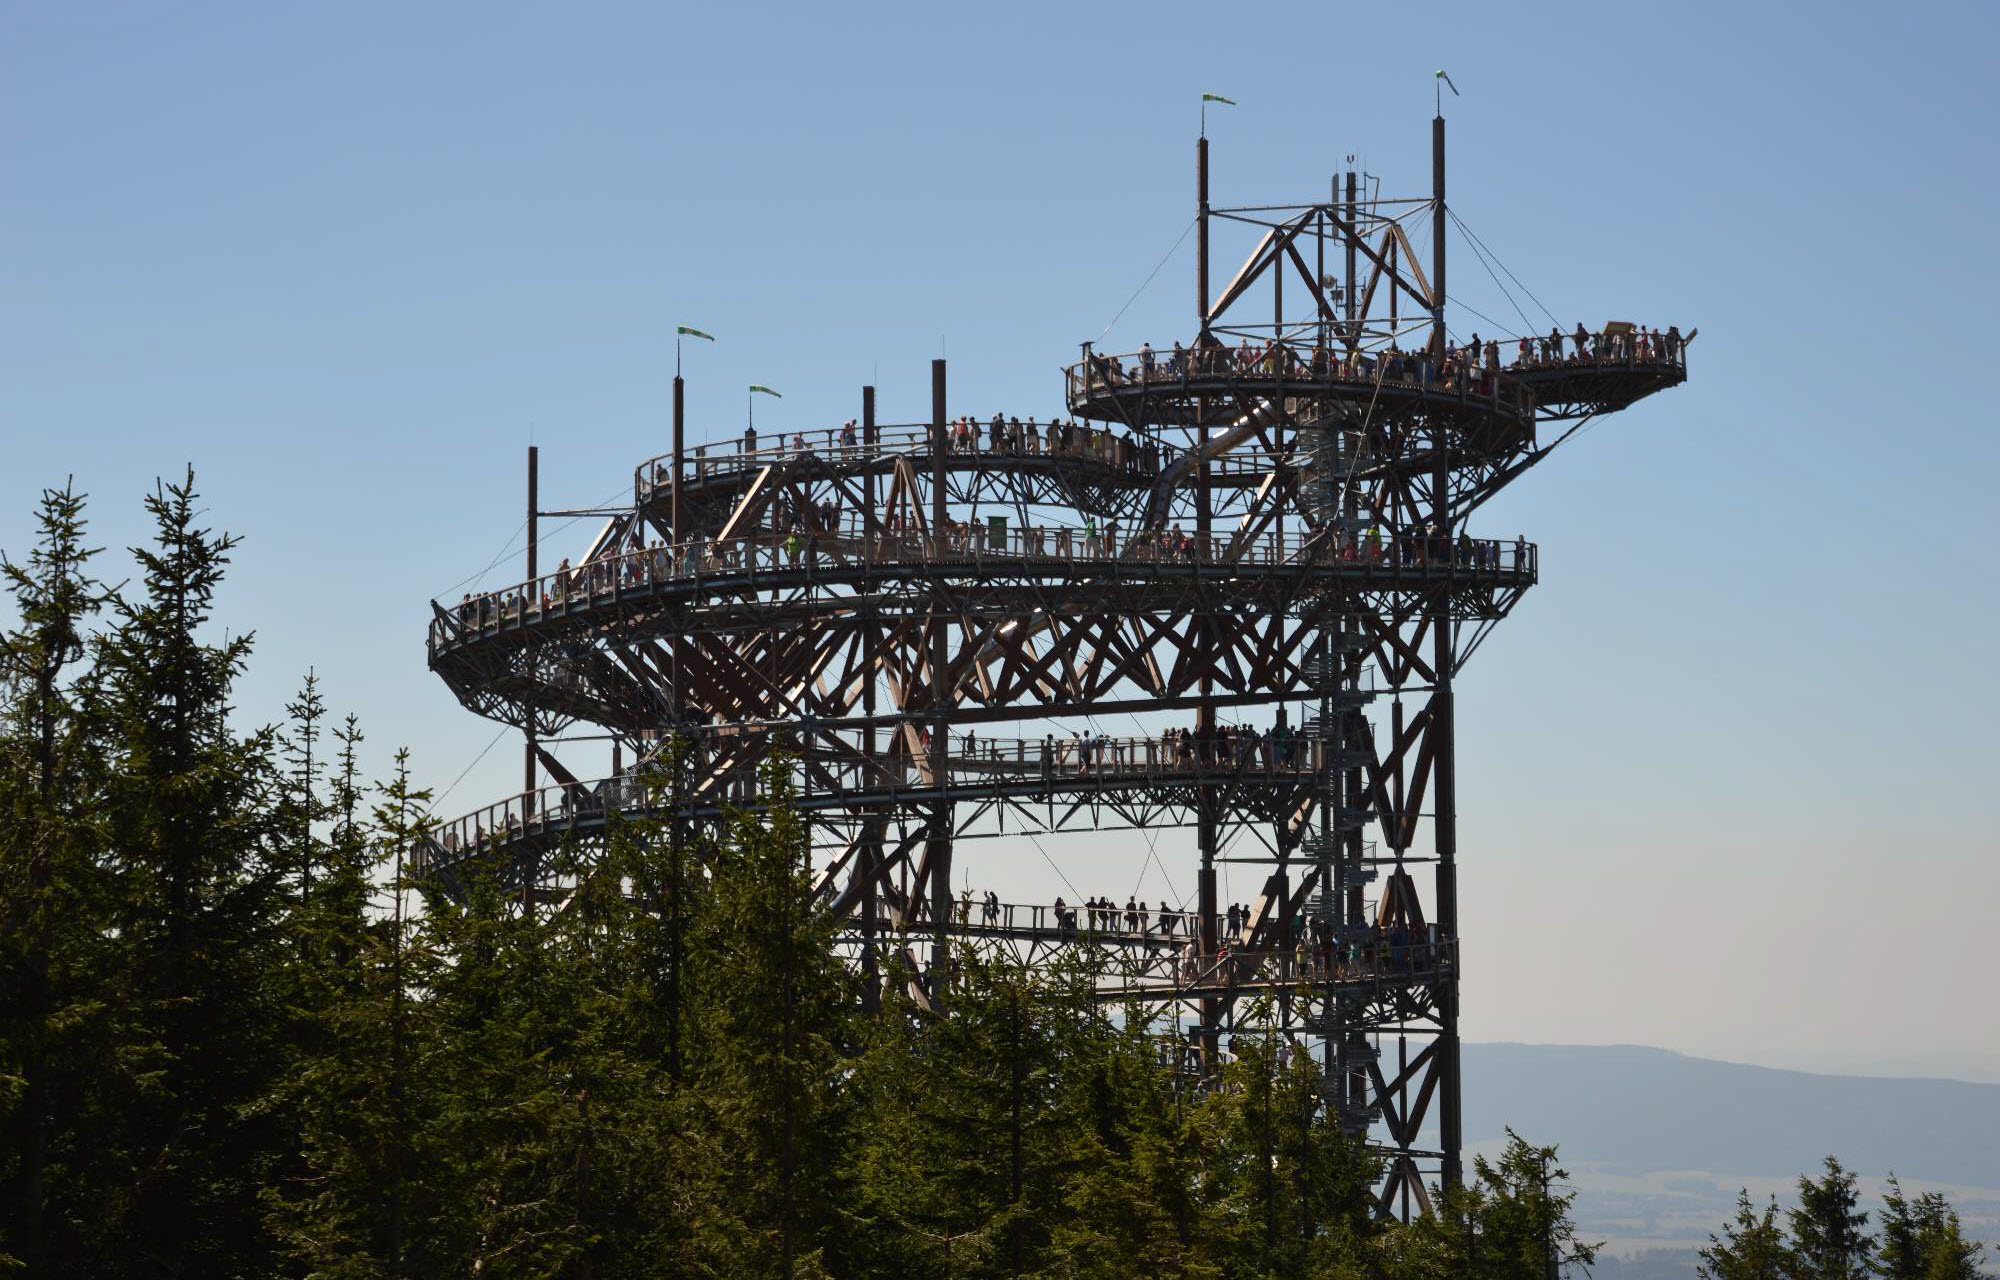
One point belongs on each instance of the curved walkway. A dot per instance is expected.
(1164, 958)
(1095, 453)
(983, 768)
(768, 560)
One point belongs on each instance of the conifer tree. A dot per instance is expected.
(1291, 1194)
(304, 809)
(1922, 1239)
(955, 1143)
(1525, 1228)
(772, 1026)
(190, 831)
(345, 1210)
(1752, 1247)
(1829, 1235)
(1130, 1201)
(53, 896)
(1512, 1221)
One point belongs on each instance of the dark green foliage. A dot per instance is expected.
(1750, 1248)
(1830, 1239)
(239, 1036)
(54, 894)
(960, 1149)
(1511, 1222)
(1923, 1240)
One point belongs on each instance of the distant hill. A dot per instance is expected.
(1631, 1109)
(1657, 1143)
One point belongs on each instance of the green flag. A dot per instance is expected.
(1216, 97)
(695, 333)
(766, 390)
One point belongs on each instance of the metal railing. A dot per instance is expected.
(772, 553)
(1158, 926)
(720, 767)
(1175, 958)
(1384, 957)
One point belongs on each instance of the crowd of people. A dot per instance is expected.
(1219, 745)
(792, 537)
(1623, 345)
(1465, 366)
(1005, 436)
(1000, 436)
(1305, 948)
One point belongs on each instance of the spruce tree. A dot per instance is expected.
(1752, 1247)
(1130, 1200)
(53, 896)
(356, 1097)
(1524, 1230)
(1829, 1236)
(304, 808)
(1289, 1193)
(955, 1125)
(771, 1030)
(189, 822)
(1922, 1239)
(1512, 1221)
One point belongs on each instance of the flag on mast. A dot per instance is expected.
(685, 331)
(758, 386)
(1207, 98)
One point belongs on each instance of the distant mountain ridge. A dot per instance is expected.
(1635, 1109)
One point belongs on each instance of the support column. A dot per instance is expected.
(1347, 293)
(938, 839)
(680, 459)
(1201, 238)
(1437, 239)
(534, 513)
(868, 857)
(1207, 833)
(679, 535)
(1444, 767)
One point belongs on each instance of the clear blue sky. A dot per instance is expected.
(1728, 770)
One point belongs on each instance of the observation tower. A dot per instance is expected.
(1257, 544)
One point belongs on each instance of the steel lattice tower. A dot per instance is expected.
(1271, 518)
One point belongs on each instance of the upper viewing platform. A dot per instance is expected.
(1600, 372)
(1507, 382)
(1339, 312)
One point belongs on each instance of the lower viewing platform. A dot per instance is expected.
(722, 775)
(1152, 956)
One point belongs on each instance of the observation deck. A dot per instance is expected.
(1487, 412)
(1493, 406)
(1606, 373)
